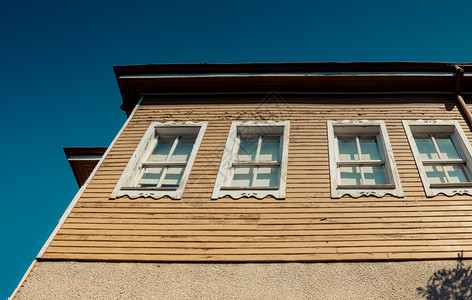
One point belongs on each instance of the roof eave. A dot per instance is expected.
(402, 76)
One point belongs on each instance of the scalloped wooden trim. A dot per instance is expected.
(150, 194)
(367, 193)
(431, 122)
(259, 194)
(455, 192)
(173, 123)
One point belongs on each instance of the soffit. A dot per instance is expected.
(287, 77)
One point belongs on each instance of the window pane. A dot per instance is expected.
(447, 149)
(369, 148)
(350, 175)
(183, 149)
(435, 174)
(270, 148)
(456, 173)
(426, 148)
(374, 175)
(173, 177)
(347, 149)
(267, 176)
(242, 177)
(150, 177)
(247, 148)
(162, 149)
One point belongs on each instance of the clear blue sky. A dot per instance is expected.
(57, 86)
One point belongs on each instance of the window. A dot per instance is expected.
(161, 164)
(443, 156)
(361, 160)
(254, 162)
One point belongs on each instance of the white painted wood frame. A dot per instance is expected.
(355, 129)
(127, 185)
(228, 162)
(462, 145)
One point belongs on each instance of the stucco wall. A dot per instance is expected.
(373, 280)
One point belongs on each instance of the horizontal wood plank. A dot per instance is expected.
(305, 226)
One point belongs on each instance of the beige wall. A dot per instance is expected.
(374, 280)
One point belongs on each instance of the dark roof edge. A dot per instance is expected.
(83, 151)
(288, 68)
(129, 99)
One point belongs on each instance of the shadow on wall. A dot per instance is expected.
(451, 284)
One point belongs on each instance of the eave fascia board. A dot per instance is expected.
(242, 75)
(135, 86)
(288, 67)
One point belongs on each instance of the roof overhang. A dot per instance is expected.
(355, 77)
(83, 160)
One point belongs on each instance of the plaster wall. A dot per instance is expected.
(354, 280)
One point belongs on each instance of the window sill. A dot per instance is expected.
(367, 186)
(149, 188)
(451, 185)
(244, 188)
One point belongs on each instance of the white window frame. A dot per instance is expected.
(461, 144)
(355, 129)
(126, 186)
(223, 181)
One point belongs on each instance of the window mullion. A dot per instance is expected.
(172, 149)
(256, 159)
(446, 174)
(433, 139)
(361, 169)
(436, 147)
(163, 175)
(166, 168)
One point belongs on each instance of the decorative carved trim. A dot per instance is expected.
(359, 193)
(259, 123)
(454, 192)
(149, 194)
(259, 194)
(357, 122)
(430, 122)
(173, 123)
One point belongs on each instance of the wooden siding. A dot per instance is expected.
(307, 226)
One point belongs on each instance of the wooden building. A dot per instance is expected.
(364, 164)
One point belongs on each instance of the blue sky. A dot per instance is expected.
(57, 86)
